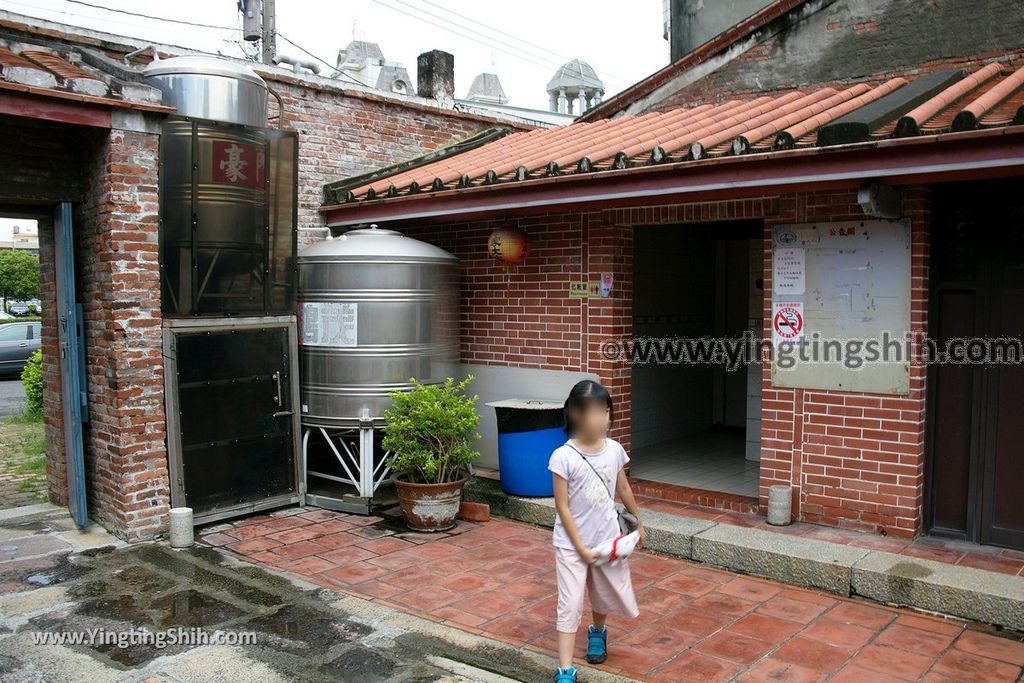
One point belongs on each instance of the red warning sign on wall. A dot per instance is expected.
(787, 322)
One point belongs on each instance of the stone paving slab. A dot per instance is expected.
(792, 559)
(961, 591)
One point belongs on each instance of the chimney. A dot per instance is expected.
(435, 77)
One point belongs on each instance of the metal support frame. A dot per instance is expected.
(355, 457)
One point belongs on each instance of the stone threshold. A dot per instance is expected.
(966, 592)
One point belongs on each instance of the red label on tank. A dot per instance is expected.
(236, 163)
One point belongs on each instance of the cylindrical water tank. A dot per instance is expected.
(210, 88)
(376, 308)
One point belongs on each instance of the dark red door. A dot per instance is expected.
(976, 428)
(1002, 510)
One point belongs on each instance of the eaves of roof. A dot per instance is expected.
(993, 152)
(929, 106)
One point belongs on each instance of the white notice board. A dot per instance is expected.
(323, 323)
(850, 283)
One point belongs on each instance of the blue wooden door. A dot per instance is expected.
(72, 361)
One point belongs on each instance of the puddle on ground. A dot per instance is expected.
(142, 579)
(298, 628)
(190, 573)
(61, 570)
(360, 664)
(189, 608)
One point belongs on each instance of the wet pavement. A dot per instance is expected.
(103, 606)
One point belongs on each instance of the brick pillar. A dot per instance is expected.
(610, 250)
(53, 417)
(119, 287)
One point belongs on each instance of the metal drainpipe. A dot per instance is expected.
(280, 107)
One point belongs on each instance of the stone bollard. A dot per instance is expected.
(181, 535)
(780, 505)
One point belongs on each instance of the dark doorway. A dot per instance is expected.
(976, 459)
(696, 423)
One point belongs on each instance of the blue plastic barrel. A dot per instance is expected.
(528, 432)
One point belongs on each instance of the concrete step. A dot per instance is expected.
(966, 592)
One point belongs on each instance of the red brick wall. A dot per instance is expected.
(53, 422)
(119, 287)
(855, 460)
(342, 135)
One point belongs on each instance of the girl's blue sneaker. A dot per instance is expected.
(565, 675)
(597, 644)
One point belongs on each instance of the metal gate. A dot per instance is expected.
(72, 361)
(231, 420)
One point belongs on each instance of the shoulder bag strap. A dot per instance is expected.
(596, 473)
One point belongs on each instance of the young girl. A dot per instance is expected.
(587, 518)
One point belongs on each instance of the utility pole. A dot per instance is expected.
(269, 41)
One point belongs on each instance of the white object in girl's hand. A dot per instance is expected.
(616, 549)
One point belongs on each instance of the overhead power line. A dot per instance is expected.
(155, 18)
(481, 40)
(333, 67)
(563, 58)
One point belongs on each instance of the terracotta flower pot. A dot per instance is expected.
(429, 507)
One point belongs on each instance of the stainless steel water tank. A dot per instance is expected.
(210, 88)
(376, 308)
(229, 206)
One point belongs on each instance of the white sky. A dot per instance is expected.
(621, 40)
(7, 226)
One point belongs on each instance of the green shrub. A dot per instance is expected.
(32, 378)
(431, 430)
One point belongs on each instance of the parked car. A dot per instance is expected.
(18, 341)
(19, 309)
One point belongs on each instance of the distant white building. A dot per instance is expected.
(24, 237)
(487, 93)
(364, 62)
(574, 88)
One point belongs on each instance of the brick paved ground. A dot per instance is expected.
(697, 624)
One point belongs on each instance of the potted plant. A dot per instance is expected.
(430, 432)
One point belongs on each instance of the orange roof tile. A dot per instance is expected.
(781, 122)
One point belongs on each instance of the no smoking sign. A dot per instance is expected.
(787, 322)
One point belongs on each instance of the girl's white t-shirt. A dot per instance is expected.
(591, 507)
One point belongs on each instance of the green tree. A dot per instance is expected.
(19, 275)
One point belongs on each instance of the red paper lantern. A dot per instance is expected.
(509, 244)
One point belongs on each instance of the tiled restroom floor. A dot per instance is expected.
(713, 460)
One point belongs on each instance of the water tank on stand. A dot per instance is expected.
(376, 308)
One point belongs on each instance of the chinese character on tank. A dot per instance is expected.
(236, 163)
